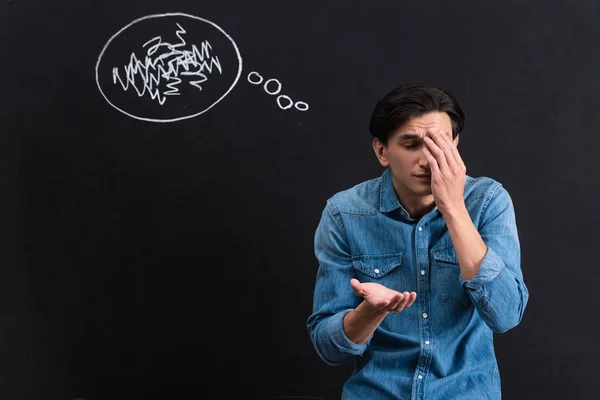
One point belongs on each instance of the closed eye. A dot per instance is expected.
(411, 146)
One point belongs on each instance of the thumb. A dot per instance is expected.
(359, 290)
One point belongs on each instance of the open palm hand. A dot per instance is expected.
(381, 298)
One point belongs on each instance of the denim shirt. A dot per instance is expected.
(442, 346)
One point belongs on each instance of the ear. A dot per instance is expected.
(455, 140)
(381, 152)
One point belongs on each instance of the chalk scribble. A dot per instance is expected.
(165, 66)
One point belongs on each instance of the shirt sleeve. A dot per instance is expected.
(498, 289)
(333, 295)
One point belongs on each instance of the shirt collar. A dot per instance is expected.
(388, 200)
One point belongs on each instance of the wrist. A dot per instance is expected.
(458, 212)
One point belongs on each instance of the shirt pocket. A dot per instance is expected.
(384, 269)
(447, 272)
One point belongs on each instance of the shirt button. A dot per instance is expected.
(424, 315)
(420, 377)
(420, 228)
(427, 342)
(376, 270)
(422, 272)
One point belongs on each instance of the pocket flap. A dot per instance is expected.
(445, 254)
(377, 265)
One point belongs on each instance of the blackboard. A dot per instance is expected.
(161, 251)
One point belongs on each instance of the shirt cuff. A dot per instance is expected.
(335, 329)
(490, 267)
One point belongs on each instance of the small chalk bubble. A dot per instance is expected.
(284, 106)
(278, 87)
(255, 82)
(301, 106)
(283, 101)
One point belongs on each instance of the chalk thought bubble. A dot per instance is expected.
(168, 67)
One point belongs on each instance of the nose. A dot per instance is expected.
(422, 161)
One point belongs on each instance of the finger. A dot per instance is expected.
(437, 153)
(457, 157)
(411, 300)
(433, 165)
(359, 289)
(447, 145)
(401, 305)
(395, 301)
(390, 303)
(443, 155)
(451, 151)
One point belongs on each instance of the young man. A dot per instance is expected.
(420, 266)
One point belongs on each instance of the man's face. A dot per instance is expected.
(405, 157)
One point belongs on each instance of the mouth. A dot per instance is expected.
(424, 177)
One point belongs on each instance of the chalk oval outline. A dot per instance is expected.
(235, 81)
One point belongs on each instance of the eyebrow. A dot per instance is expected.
(409, 136)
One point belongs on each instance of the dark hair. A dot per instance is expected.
(413, 100)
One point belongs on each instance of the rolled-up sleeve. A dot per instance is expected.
(498, 290)
(333, 295)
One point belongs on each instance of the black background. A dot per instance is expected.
(146, 260)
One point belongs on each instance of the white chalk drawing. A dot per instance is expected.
(181, 73)
(180, 63)
(184, 71)
(273, 87)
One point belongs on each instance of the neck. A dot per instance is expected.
(416, 206)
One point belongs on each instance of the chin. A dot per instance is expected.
(422, 190)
